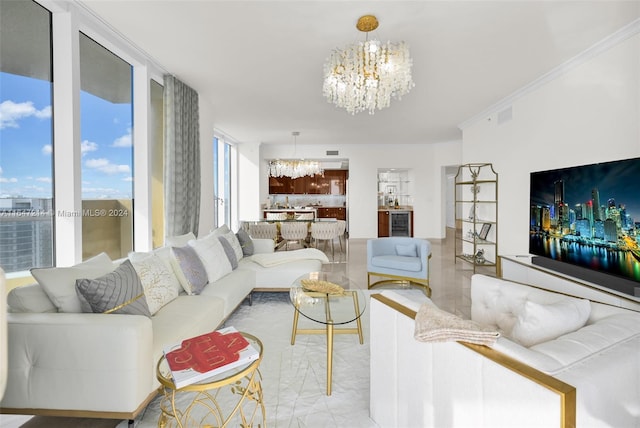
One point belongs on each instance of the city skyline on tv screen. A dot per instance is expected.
(588, 216)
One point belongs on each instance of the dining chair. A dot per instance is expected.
(325, 231)
(294, 231)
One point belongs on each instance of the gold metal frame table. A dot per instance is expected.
(328, 309)
(244, 398)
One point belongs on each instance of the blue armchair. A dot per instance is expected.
(399, 260)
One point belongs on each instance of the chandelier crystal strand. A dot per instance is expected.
(367, 75)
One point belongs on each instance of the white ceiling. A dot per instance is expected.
(259, 64)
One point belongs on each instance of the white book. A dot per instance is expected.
(202, 357)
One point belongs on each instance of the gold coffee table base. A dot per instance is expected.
(231, 401)
(329, 329)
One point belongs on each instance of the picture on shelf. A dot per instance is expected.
(484, 231)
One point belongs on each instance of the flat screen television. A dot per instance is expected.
(585, 222)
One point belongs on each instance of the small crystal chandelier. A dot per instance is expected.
(294, 168)
(366, 75)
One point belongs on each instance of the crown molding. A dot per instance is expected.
(603, 45)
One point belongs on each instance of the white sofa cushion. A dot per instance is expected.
(213, 257)
(538, 322)
(29, 298)
(159, 282)
(185, 317)
(60, 282)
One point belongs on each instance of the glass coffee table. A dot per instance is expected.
(328, 309)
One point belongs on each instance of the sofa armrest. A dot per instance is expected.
(64, 361)
(454, 384)
(261, 245)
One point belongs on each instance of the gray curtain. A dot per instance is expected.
(182, 158)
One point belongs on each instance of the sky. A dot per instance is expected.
(26, 147)
(619, 180)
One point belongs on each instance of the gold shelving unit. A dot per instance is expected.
(476, 211)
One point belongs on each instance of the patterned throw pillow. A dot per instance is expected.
(228, 250)
(246, 243)
(189, 269)
(160, 284)
(118, 292)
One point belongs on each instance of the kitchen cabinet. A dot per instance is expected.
(476, 210)
(339, 213)
(383, 224)
(334, 182)
(280, 185)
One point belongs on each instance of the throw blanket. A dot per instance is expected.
(435, 325)
(273, 259)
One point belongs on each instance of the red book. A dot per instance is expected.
(201, 357)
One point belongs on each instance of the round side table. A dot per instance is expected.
(232, 398)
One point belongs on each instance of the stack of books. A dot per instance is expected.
(202, 357)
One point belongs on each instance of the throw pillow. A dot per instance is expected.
(159, 283)
(231, 255)
(59, 283)
(246, 243)
(406, 250)
(215, 261)
(231, 238)
(118, 292)
(188, 269)
(539, 322)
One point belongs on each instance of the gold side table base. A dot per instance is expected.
(206, 410)
(329, 330)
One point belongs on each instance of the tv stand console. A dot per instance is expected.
(520, 268)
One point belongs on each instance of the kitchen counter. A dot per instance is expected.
(400, 208)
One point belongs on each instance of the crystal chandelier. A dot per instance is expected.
(366, 75)
(294, 168)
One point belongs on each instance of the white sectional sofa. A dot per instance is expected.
(103, 364)
(588, 376)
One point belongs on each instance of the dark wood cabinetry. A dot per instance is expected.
(339, 213)
(333, 182)
(383, 224)
(280, 185)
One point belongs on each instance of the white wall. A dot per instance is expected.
(428, 162)
(590, 114)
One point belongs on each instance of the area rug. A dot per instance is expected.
(294, 376)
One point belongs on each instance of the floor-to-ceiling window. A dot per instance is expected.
(222, 181)
(26, 141)
(106, 112)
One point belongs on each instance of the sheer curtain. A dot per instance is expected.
(182, 158)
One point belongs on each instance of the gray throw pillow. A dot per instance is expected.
(228, 250)
(245, 242)
(118, 292)
(189, 269)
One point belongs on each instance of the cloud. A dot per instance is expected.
(44, 179)
(103, 165)
(88, 146)
(130, 179)
(47, 149)
(11, 113)
(124, 141)
(6, 180)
